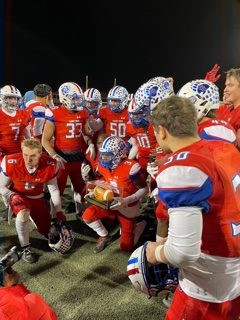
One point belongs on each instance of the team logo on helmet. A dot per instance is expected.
(202, 88)
(166, 84)
(65, 90)
(152, 91)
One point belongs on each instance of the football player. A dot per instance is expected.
(139, 128)
(66, 124)
(199, 185)
(205, 97)
(113, 117)
(37, 107)
(129, 186)
(21, 182)
(93, 102)
(230, 111)
(13, 121)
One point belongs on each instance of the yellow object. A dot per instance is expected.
(102, 194)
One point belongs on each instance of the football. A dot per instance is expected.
(102, 194)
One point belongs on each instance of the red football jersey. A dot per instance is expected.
(36, 111)
(115, 123)
(146, 143)
(119, 178)
(24, 182)
(230, 114)
(215, 129)
(69, 128)
(12, 130)
(206, 175)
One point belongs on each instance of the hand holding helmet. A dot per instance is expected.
(153, 280)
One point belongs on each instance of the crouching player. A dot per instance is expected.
(21, 182)
(129, 186)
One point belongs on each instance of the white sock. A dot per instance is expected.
(98, 227)
(22, 231)
(78, 202)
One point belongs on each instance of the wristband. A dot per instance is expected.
(158, 254)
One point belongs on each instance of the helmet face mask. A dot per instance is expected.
(203, 94)
(11, 98)
(117, 99)
(150, 279)
(139, 116)
(71, 96)
(93, 100)
(106, 159)
(112, 152)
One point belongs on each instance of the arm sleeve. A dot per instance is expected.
(5, 181)
(137, 195)
(55, 194)
(134, 149)
(183, 245)
(49, 115)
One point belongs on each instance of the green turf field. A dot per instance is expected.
(82, 285)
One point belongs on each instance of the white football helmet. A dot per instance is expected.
(93, 100)
(10, 98)
(139, 116)
(117, 99)
(60, 236)
(112, 152)
(161, 81)
(151, 93)
(71, 96)
(150, 279)
(203, 94)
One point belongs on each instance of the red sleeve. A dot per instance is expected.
(39, 309)
(16, 302)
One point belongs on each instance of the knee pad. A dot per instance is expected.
(23, 215)
(18, 203)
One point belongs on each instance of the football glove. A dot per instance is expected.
(91, 151)
(85, 169)
(152, 169)
(212, 75)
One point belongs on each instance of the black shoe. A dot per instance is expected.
(28, 255)
(102, 243)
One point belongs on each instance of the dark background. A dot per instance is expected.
(56, 41)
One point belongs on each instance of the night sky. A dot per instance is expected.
(53, 41)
